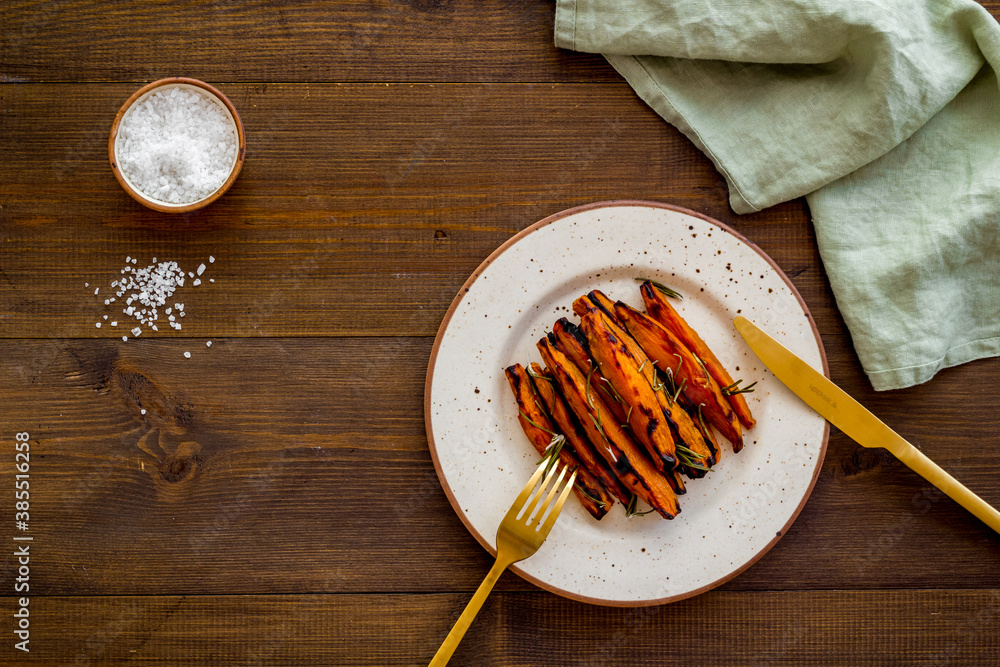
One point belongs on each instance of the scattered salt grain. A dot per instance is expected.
(211, 280)
(142, 411)
(97, 290)
(211, 260)
(178, 145)
(187, 355)
(208, 343)
(146, 291)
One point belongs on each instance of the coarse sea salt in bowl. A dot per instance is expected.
(176, 145)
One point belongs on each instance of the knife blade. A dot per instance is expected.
(837, 407)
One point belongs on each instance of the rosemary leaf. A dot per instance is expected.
(661, 287)
(530, 421)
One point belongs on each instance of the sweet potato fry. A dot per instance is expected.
(576, 437)
(659, 309)
(628, 459)
(621, 368)
(573, 343)
(673, 357)
(688, 436)
(541, 432)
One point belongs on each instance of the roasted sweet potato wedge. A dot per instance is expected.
(687, 435)
(659, 308)
(573, 343)
(621, 368)
(673, 357)
(541, 431)
(626, 457)
(576, 437)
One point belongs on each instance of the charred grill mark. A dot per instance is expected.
(651, 426)
(574, 331)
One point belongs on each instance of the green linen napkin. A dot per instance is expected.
(884, 113)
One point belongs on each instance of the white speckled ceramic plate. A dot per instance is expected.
(730, 518)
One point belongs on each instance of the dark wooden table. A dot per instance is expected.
(276, 503)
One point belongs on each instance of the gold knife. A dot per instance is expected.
(838, 408)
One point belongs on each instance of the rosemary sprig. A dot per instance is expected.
(553, 450)
(680, 388)
(700, 363)
(663, 288)
(690, 458)
(532, 422)
(630, 508)
(701, 422)
(732, 389)
(610, 390)
(590, 401)
(537, 376)
(601, 503)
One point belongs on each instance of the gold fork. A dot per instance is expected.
(521, 532)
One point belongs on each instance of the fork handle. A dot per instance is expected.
(451, 642)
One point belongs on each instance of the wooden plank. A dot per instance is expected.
(931, 627)
(257, 454)
(271, 40)
(275, 41)
(360, 211)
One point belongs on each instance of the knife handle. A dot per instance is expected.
(933, 473)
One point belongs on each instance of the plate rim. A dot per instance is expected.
(432, 361)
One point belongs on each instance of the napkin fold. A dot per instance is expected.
(885, 114)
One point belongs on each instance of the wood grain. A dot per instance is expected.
(256, 453)
(530, 629)
(360, 210)
(272, 500)
(280, 41)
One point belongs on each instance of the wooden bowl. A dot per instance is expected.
(142, 94)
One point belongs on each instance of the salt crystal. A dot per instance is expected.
(114, 323)
(168, 310)
(128, 258)
(97, 324)
(86, 284)
(208, 344)
(107, 302)
(190, 274)
(97, 290)
(201, 269)
(187, 354)
(211, 260)
(197, 281)
(105, 317)
(142, 411)
(177, 148)
(154, 328)
(125, 339)
(211, 280)
(136, 331)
